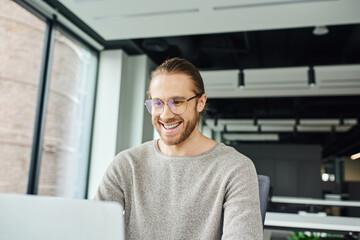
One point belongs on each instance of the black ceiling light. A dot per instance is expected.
(241, 79)
(342, 121)
(215, 121)
(295, 131)
(311, 76)
(155, 44)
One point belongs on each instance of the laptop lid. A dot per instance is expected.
(50, 218)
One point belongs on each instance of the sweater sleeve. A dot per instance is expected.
(110, 188)
(242, 215)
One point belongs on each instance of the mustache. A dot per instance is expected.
(177, 118)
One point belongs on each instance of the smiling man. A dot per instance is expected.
(183, 185)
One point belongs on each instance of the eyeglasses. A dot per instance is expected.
(177, 105)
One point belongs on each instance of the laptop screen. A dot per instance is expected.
(50, 218)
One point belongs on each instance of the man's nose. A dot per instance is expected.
(167, 113)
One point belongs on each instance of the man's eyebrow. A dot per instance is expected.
(169, 98)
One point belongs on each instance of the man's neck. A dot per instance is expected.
(195, 144)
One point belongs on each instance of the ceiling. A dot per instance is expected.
(256, 36)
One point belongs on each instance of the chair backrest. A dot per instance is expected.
(264, 186)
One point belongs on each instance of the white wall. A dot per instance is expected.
(106, 115)
(134, 125)
(120, 118)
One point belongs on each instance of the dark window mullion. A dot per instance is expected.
(41, 109)
(92, 127)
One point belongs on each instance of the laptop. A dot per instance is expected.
(24, 217)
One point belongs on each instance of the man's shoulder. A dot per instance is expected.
(232, 156)
(137, 151)
(230, 151)
(133, 156)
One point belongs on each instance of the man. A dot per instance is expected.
(184, 185)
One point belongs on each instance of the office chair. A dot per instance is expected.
(264, 186)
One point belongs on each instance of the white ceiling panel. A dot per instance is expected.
(251, 137)
(284, 82)
(125, 19)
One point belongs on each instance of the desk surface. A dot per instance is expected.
(315, 201)
(296, 221)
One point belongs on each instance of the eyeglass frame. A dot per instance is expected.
(166, 103)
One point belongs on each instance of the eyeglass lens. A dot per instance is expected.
(176, 105)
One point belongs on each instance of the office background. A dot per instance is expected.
(73, 80)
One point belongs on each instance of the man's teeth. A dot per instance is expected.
(171, 126)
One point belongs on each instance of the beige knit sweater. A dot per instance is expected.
(213, 195)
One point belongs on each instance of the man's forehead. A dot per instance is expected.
(175, 77)
(177, 84)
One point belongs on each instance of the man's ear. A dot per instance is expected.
(201, 102)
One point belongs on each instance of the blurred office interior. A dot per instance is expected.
(282, 79)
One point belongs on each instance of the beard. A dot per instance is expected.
(188, 128)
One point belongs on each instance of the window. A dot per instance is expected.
(68, 103)
(21, 46)
(66, 145)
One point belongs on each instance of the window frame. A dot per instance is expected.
(52, 25)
